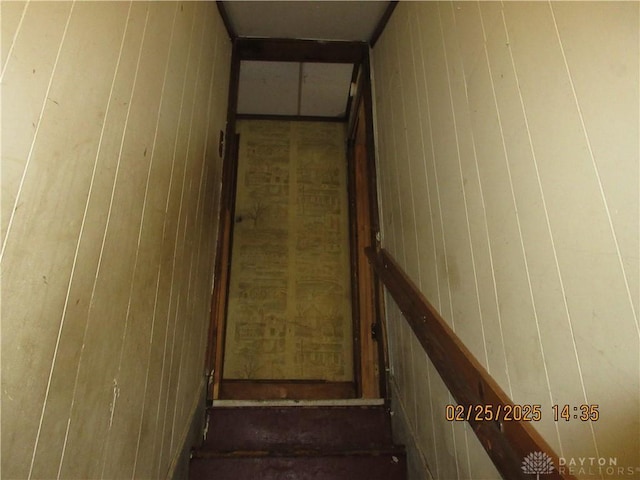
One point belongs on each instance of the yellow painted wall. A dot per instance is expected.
(508, 149)
(110, 186)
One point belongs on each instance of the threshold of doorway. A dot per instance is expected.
(343, 402)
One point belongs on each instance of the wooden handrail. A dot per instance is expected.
(506, 442)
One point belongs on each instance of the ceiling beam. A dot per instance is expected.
(382, 23)
(290, 118)
(289, 50)
(226, 20)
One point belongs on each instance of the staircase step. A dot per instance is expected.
(389, 464)
(301, 442)
(276, 428)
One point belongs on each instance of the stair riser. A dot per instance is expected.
(382, 467)
(271, 428)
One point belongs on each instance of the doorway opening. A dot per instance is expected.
(289, 302)
(296, 307)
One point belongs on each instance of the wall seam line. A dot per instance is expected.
(35, 135)
(548, 223)
(14, 39)
(408, 160)
(186, 226)
(200, 210)
(55, 353)
(135, 263)
(175, 245)
(104, 236)
(596, 170)
(462, 186)
(424, 165)
(155, 302)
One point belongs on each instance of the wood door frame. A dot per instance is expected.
(368, 291)
(370, 380)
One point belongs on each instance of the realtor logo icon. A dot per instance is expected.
(537, 463)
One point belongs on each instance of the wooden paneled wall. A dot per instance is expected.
(508, 149)
(110, 186)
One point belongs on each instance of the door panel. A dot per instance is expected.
(289, 304)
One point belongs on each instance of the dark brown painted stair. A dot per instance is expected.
(299, 442)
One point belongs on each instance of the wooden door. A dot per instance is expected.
(289, 320)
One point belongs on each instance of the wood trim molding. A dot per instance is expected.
(506, 442)
(291, 50)
(382, 23)
(370, 343)
(367, 93)
(215, 343)
(351, 100)
(288, 118)
(372, 178)
(368, 298)
(222, 9)
(355, 99)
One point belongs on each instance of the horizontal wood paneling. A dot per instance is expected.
(110, 186)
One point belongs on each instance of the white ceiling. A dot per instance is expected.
(317, 20)
(325, 89)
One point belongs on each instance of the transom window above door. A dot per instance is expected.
(294, 88)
